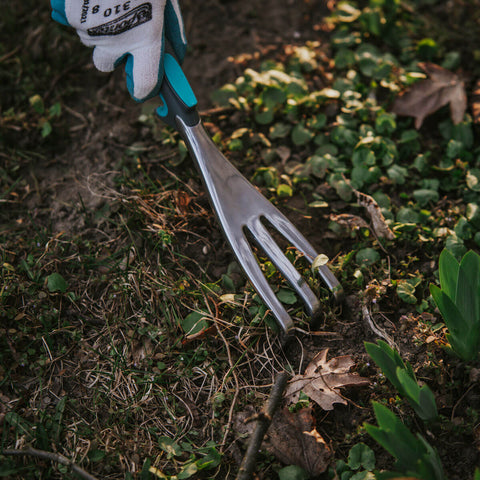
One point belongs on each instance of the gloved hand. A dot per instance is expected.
(133, 31)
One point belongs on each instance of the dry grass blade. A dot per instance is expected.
(441, 88)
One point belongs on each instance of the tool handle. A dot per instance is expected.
(177, 96)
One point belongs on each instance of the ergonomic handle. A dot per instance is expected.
(177, 96)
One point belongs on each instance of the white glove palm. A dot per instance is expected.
(133, 31)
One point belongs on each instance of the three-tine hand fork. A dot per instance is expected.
(238, 205)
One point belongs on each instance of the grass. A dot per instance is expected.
(110, 257)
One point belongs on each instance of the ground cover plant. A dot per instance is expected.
(131, 345)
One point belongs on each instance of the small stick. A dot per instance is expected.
(264, 419)
(54, 457)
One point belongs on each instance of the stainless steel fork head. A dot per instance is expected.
(241, 208)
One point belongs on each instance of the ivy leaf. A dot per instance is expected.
(442, 87)
(56, 283)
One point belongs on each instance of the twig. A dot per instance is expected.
(376, 329)
(54, 457)
(264, 419)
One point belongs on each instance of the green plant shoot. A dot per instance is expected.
(401, 375)
(415, 456)
(458, 300)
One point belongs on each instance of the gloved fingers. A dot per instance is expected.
(58, 11)
(144, 69)
(174, 29)
(106, 58)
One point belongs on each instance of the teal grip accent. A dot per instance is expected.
(58, 11)
(177, 96)
(179, 82)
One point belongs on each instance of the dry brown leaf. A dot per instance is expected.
(291, 437)
(442, 87)
(379, 224)
(476, 102)
(322, 380)
(352, 222)
(294, 440)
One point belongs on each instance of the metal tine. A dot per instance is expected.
(254, 273)
(265, 240)
(281, 223)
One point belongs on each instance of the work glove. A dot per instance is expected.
(130, 31)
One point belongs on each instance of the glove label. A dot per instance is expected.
(132, 19)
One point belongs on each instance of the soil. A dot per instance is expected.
(100, 124)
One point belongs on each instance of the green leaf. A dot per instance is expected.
(365, 475)
(473, 179)
(385, 123)
(188, 471)
(397, 174)
(464, 342)
(389, 360)
(468, 290)
(46, 129)
(463, 229)
(301, 135)
(169, 446)
(194, 323)
(319, 165)
(293, 472)
(264, 116)
(286, 296)
(427, 49)
(407, 215)
(273, 96)
(406, 292)
(284, 190)
(410, 387)
(96, 455)
(344, 58)
(424, 196)
(367, 256)
(211, 460)
(395, 437)
(36, 102)
(448, 272)
(427, 409)
(279, 130)
(361, 455)
(56, 283)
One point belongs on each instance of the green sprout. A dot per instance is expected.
(403, 378)
(458, 299)
(415, 456)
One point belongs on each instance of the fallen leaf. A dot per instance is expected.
(427, 96)
(294, 440)
(476, 102)
(352, 222)
(291, 437)
(183, 201)
(379, 225)
(322, 380)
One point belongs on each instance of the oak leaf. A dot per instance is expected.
(425, 97)
(322, 380)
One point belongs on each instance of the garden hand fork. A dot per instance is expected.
(238, 205)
